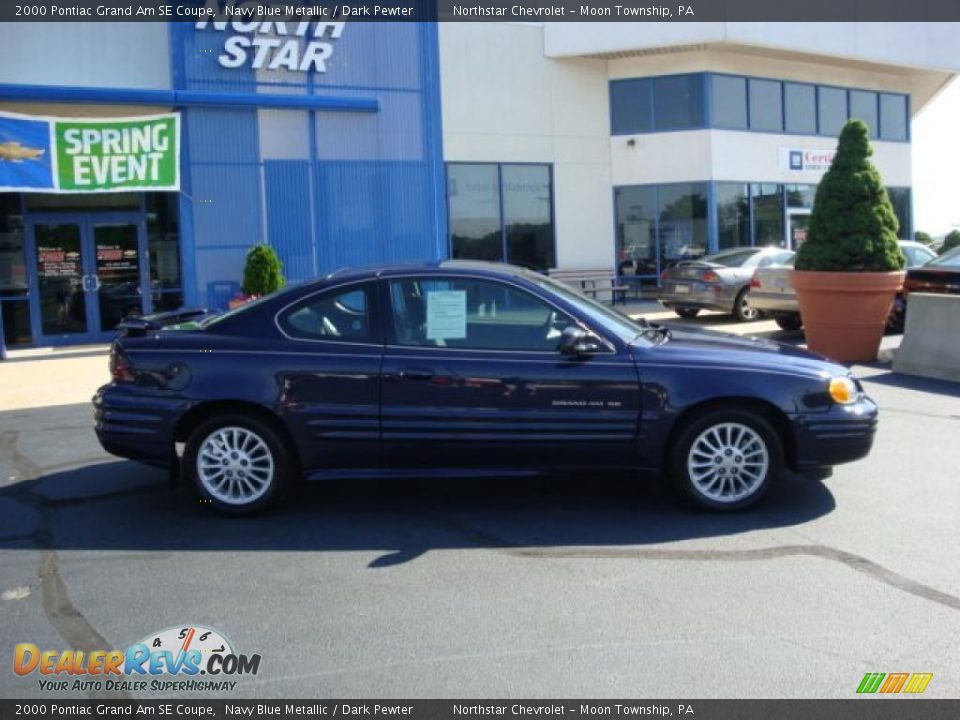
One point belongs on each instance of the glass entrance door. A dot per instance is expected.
(90, 271)
(797, 226)
(62, 281)
(116, 275)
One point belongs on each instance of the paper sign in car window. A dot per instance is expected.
(447, 315)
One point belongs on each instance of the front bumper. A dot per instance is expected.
(136, 426)
(841, 434)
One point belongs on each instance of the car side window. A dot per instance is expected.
(468, 313)
(342, 314)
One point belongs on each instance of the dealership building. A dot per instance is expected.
(140, 161)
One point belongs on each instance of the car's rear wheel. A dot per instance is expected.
(688, 313)
(741, 307)
(789, 322)
(236, 463)
(727, 459)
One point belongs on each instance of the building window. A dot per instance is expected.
(767, 203)
(863, 106)
(766, 106)
(682, 229)
(728, 102)
(893, 117)
(14, 285)
(678, 102)
(801, 196)
(636, 209)
(502, 213)
(473, 195)
(800, 103)
(163, 248)
(631, 107)
(900, 199)
(733, 215)
(832, 110)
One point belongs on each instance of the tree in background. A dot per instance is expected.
(853, 227)
(262, 272)
(951, 241)
(922, 237)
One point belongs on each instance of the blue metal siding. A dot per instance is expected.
(327, 188)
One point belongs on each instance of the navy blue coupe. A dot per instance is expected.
(468, 369)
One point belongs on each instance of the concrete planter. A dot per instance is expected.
(844, 314)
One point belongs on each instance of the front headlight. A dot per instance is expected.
(843, 390)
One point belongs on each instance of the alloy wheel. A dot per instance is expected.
(728, 462)
(235, 465)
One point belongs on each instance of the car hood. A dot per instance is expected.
(697, 346)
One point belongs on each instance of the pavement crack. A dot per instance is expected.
(59, 610)
(852, 561)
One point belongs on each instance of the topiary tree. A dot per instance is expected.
(262, 272)
(853, 227)
(951, 241)
(921, 237)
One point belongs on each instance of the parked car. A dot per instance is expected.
(468, 369)
(772, 295)
(717, 282)
(939, 275)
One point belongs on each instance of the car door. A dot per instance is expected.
(330, 378)
(473, 378)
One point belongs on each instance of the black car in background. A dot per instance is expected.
(467, 369)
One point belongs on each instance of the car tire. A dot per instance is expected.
(742, 311)
(687, 313)
(789, 322)
(706, 467)
(255, 463)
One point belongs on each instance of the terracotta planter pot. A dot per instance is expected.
(844, 314)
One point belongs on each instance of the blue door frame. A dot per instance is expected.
(90, 282)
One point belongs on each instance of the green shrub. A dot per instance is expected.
(951, 241)
(262, 272)
(853, 227)
(921, 237)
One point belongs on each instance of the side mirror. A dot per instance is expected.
(577, 341)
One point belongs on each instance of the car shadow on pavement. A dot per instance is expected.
(912, 382)
(128, 507)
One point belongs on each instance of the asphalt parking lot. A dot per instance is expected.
(581, 586)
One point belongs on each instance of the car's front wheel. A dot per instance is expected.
(727, 459)
(236, 463)
(742, 310)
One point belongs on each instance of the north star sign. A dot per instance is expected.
(273, 45)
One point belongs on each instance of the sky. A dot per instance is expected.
(936, 163)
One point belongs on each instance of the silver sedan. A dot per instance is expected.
(717, 282)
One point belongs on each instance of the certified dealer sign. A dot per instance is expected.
(290, 42)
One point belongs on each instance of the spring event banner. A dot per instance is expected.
(70, 155)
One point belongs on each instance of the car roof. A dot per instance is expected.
(394, 269)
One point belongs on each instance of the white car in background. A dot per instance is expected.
(772, 295)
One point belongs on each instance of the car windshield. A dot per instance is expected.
(731, 258)
(609, 319)
(948, 260)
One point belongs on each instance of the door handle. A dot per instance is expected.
(96, 282)
(416, 374)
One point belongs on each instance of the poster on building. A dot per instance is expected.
(83, 155)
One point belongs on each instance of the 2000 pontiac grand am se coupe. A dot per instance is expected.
(468, 369)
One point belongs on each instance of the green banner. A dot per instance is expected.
(117, 155)
(70, 155)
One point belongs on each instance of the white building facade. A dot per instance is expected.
(642, 144)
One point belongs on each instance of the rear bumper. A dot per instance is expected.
(134, 426)
(842, 434)
(700, 296)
